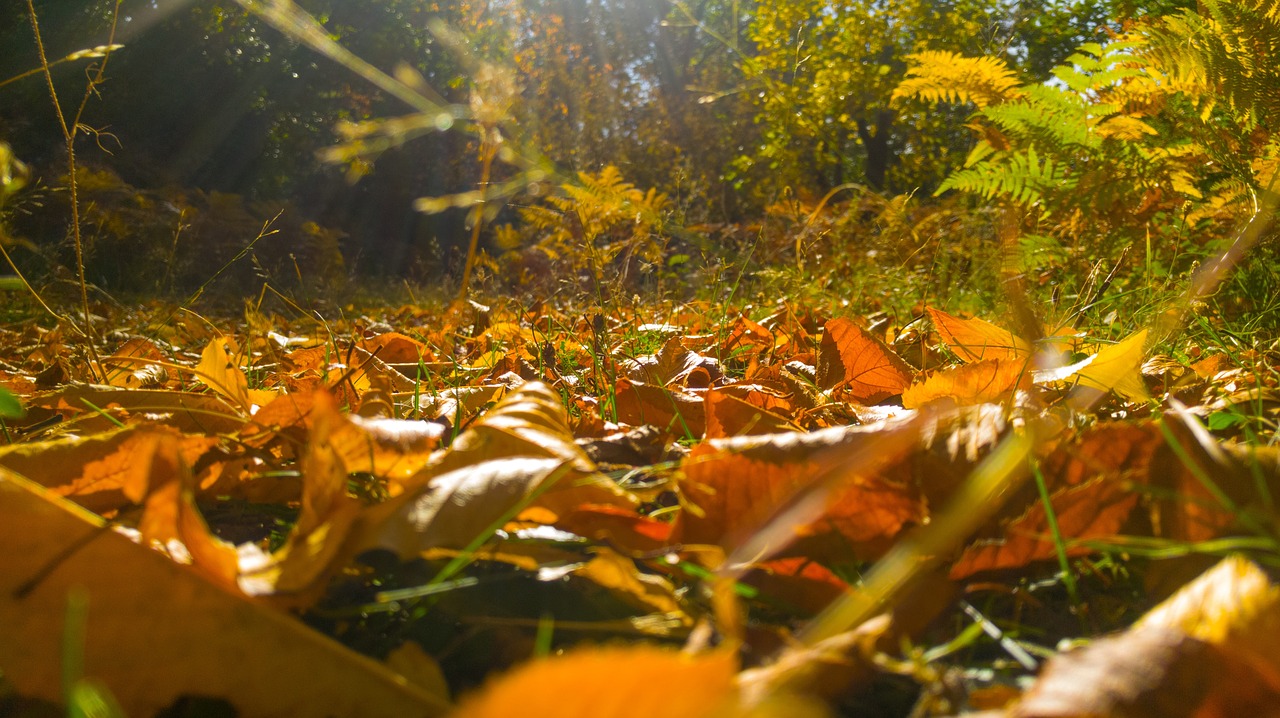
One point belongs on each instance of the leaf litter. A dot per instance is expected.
(814, 519)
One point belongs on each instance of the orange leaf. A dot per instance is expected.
(1094, 509)
(673, 364)
(186, 411)
(133, 365)
(982, 382)
(162, 482)
(852, 357)
(674, 410)
(734, 484)
(729, 415)
(288, 413)
(974, 340)
(616, 526)
(102, 473)
(518, 460)
(395, 348)
(746, 334)
(640, 682)
(797, 582)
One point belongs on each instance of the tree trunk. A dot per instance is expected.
(876, 145)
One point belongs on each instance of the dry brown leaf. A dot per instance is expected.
(135, 365)
(160, 479)
(1151, 673)
(974, 340)
(797, 583)
(186, 411)
(645, 591)
(853, 358)
(674, 364)
(517, 461)
(826, 670)
(289, 414)
(459, 405)
(746, 334)
(616, 526)
(392, 450)
(158, 631)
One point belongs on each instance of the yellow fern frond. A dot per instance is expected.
(941, 76)
(1124, 127)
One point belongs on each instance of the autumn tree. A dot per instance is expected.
(824, 71)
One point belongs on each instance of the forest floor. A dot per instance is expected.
(831, 512)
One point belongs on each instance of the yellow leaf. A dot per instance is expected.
(519, 456)
(218, 370)
(1233, 604)
(979, 383)
(1118, 368)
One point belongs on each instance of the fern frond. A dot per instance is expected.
(1048, 115)
(1231, 49)
(1124, 127)
(941, 76)
(1024, 178)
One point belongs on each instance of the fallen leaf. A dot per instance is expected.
(728, 415)
(674, 410)
(674, 364)
(160, 479)
(616, 526)
(853, 358)
(639, 682)
(733, 485)
(135, 365)
(219, 371)
(1150, 673)
(103, 473)
(519, 460)
(974, 340)
(187, 411)
(395, 348)
(1094, 509)
(796, 583)
(980, 382)
(647, 592)
(158, 631)
(1234, 605)
(1118, 368)
(827, 669)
